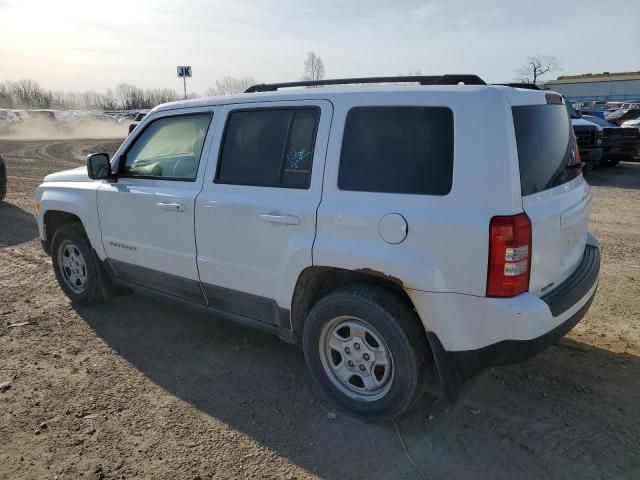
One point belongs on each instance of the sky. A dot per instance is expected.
(78, 45)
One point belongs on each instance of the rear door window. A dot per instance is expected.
(397, 150)
(269, 147)
(543, 135)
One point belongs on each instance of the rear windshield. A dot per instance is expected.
(543, 135)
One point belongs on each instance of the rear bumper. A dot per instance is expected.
(579, 288)
(471, 362)
(473, 333)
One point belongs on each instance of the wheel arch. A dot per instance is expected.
(59, 208)
(316, 282)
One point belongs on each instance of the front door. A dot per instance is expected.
(256, 215)
(147, 216)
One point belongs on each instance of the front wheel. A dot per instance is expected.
(75, 266)
(368, 351)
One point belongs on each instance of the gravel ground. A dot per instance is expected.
(143, 389)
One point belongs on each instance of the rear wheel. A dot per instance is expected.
(367, 349)
(75, 266)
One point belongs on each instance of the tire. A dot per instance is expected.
(75, 266)
(354, 319)
(3, 191)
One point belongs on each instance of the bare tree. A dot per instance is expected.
(130, 97)
(6, 99)
(313, 68)
(537, 66)
(156, 96)
(230, 85)
(109, 101)
(27, 93)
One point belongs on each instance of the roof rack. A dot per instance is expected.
(421, 79)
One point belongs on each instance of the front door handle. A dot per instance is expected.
(282, 219)
(171, 207)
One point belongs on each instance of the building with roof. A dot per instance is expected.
(598, 86)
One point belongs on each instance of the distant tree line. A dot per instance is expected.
(29, 94)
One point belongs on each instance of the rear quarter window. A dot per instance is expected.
(543, 136)
(397, 150)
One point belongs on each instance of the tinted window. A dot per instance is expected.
(169, 148)
(397, 150)
(543, 135)
(269, 148)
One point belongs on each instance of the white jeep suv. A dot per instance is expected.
(395, 231)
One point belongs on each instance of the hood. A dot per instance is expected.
(74, 175)
(584, 123)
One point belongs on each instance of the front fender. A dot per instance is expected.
(79, 200)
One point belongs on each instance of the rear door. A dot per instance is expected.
(256, 215)
(555, 195)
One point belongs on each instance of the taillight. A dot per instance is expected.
(576, 150)
(577, 161)
(509, 255)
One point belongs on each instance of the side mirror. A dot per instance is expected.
(98, 166)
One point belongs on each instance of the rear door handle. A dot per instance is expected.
(171, 207)
(282, 219)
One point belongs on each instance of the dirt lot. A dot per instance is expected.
(141, 389)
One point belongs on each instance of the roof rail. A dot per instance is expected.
(421, 79)
(526, 86)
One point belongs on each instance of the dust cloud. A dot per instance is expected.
(55, 129)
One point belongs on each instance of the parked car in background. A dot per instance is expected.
(3, 178)
(620, 116)
(618, 144)
(362, 223)
(42, 115)
(594, 108)
(631, 123)
(612, 106)
(22, 115)
(137, 119)
(8, 116)
(589, 137)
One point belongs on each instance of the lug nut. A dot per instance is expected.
(361, 367)
(356, 346)
(347, 350)
(350, 363)
(365, 356)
